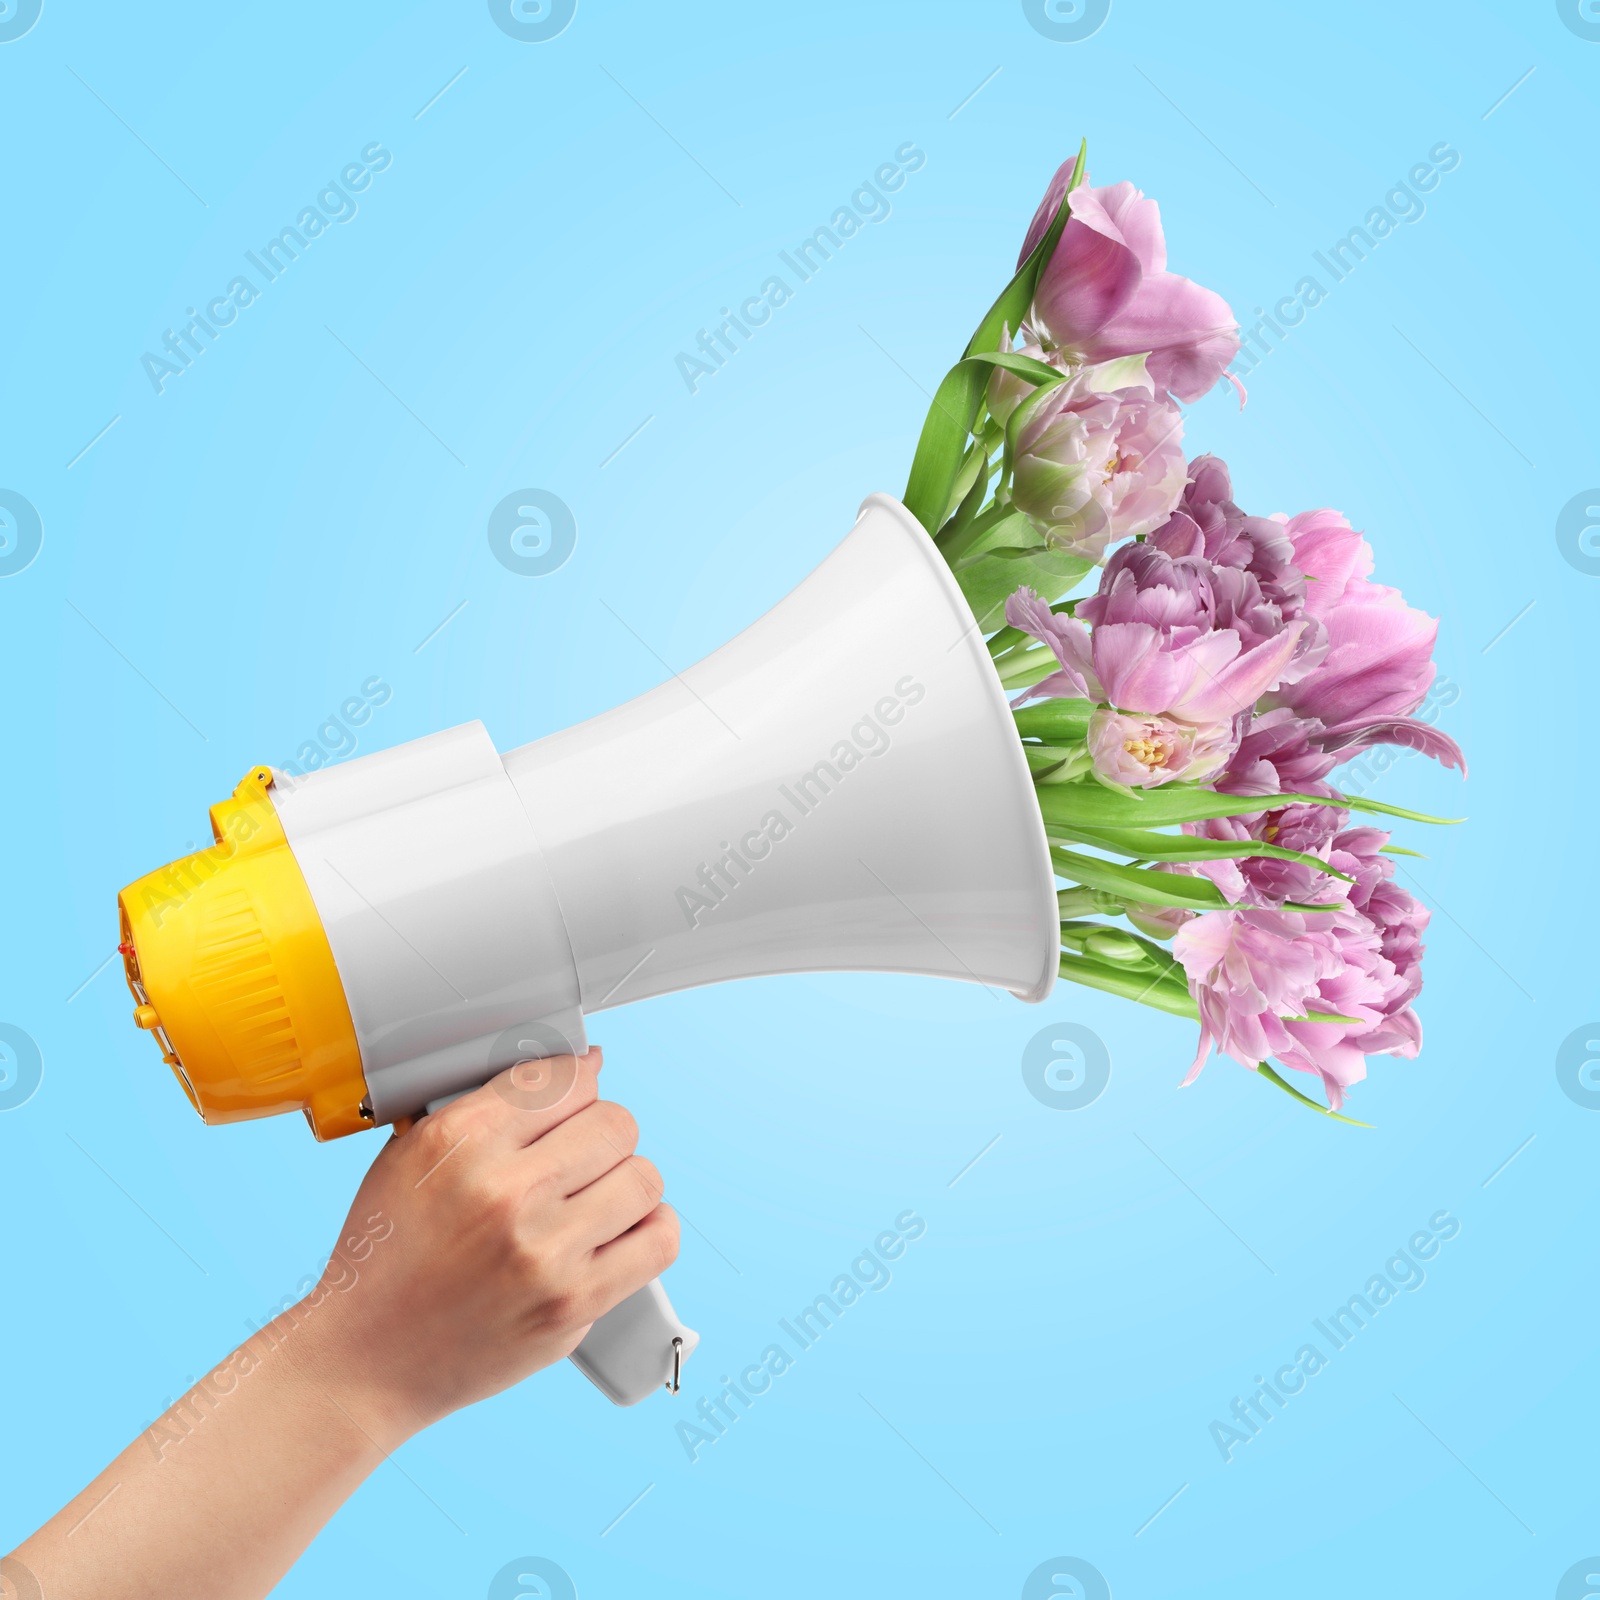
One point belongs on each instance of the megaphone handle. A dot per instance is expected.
(637, 1347)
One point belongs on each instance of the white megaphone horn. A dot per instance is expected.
(839, 788)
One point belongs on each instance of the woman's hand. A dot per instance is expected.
(491, 1235)
(483, 1242)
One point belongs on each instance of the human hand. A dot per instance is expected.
(482, 1244)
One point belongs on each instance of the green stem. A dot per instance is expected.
(1028, 668)
(1159, 995)
(1078, 902)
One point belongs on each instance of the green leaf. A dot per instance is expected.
(974, 464)
(1137, 986)
(1400, 850)
(1036, 372)
(991, 580)
(955, 404)
(943, 442)
(1383, 810)
(942, 446)
(966, 513)
(1263, 1070)
(1145, 845)
(1089, 805)
(1000, 528)
(1139, 883)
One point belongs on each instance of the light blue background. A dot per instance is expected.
(301, 509)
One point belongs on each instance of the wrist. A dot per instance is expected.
(324, 1353)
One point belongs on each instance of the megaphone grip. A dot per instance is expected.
(637, 1347)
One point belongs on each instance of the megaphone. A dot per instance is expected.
(839, 788)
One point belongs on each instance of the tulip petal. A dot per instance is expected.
(1189, 329)
(1089, 277)
(1351, 738)
(1218, 695)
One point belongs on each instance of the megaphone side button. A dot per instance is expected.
(145, 1017)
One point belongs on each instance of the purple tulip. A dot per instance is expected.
(1276, 754)
(1255, 971)
(1207, 523)
(1106, 291)
(1172, 636)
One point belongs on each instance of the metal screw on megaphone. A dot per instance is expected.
(532, 1578)
(17, 1582)
(1066, 1066)
(543, 1067)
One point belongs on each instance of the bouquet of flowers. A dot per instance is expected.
(1220, 670)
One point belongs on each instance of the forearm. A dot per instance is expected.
(533, 1222)
(218, 1497)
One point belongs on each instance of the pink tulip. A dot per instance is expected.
(1256, 971)
(1105, 290)
(1379, 662)
(1145, 752)
(1099, 460)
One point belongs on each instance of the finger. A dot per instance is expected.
(527, 1100)
(611, 1205)
(644, 1252)
(585, 1147)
